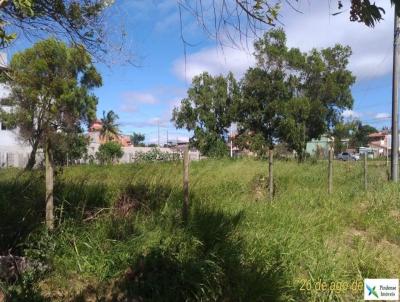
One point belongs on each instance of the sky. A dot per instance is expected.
(143, 94)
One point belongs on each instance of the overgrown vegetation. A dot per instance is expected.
(289, 97)
(119, 235)
(155, 154)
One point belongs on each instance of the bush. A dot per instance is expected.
(155, 154)
(109, 153)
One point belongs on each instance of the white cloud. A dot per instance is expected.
(139, 97)
(317, 28)
(128, 107)
(382, 115)
(350, 114)
(314, 28)
(215, 61)
(131, 100)
(151, 122)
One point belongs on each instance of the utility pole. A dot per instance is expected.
(395, 104)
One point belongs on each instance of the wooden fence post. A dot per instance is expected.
(330, 171)
(365, 171)
(185, 208)
(387, 158)
(271, 173)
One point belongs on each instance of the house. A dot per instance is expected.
(319, 147)
(380, 143)
(96, 140)
(94, 134)
(13, 151)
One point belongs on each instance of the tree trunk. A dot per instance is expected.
(49, 188)
(301, 156)
(32, 157)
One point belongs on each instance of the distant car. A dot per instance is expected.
(345, 156)
(355, 156)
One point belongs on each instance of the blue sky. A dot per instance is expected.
(143, 96)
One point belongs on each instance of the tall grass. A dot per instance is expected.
(120, 234)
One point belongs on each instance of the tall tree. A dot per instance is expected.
(360, 137)
(50, 94)
(109, 126)
(70, 147)
(207, 111)
(343, 131)
(256, 111)
(293, 96)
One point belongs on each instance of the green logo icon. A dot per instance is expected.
(372, 291)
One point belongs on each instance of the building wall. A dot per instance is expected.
(323, 143)
(13, 152)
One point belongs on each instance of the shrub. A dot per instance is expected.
(109, 153)
(155, 154)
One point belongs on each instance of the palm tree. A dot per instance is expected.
(110, 129)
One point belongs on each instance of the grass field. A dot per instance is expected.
(120, 236)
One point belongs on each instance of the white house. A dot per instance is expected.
(13, 152)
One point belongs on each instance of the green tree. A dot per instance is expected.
(81, 21)
(109, 126)
(50, 94)
(138, 139)
(109, 153)
(342, 131)
(293, 125)
(360, 135)
(293, 96)
(208, 112)
(256, 110)
(69, 147)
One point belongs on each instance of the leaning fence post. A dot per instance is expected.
(185, 208)
(330, 171)
(365, 171)
(271, 173)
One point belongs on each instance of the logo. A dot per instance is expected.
(381, 289)
(372, 291)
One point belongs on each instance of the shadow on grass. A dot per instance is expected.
(22, 209)
(216, 271)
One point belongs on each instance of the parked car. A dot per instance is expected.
(355, 156)
(345, 156)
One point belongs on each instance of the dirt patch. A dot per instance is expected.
(68, 289)
(126, 205)
(395, 214)
(260, 187)
(363, 206)
(352, 232)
